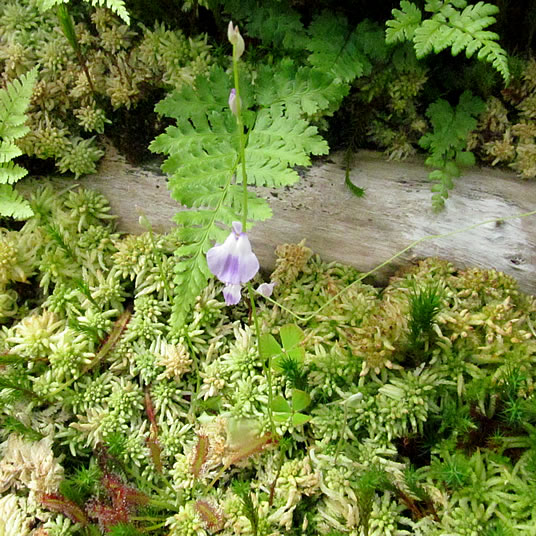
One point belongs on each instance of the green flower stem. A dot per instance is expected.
(268, 366)
(242, 138)
(242, 157)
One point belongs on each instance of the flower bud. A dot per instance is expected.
(233, 34)
(266, 289)
(232, 102)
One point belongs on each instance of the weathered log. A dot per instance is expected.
(363, 232)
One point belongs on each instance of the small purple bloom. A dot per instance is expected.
(233, 263)
(266, 289)
(232, 102)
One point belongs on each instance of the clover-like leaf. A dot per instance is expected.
(298, 419)
(300, 399)
(280, 405)
(291, 336)
(269, 347)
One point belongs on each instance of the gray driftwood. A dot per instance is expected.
(364, 232)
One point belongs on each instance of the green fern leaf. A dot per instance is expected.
(370, 38)
(10, 173)
(209, 94)
(276, 142)
(334, 48)
(493, 53)
(433, 35)
(461, 30)
(447, 141)
(278, 26)
(406, 20)
(203, 160)
(301, 90)
(12, 204)
(116, 6)
(8, 151)
(14, 101)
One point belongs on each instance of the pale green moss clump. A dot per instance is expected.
(420, 421)
(70, 110)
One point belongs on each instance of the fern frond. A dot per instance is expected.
(203, 157)
(10, 173)
(278, 26)
(447, 142)
(404, 23)
(301, 90)
(277, 142)
(12, 204)
(8, 151)
(335, 49)
(202, 161)
(14, 101)
(452, 24)
(116, 6)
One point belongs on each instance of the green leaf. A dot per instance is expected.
(291, 336)
(465, 158)
(280, 405)
(298, 419)
(8, 151)
(459, 30)
(14, 101)
(302, 90)
(12, 204)
(277, 25)
(452, 169)
(335, 49)
(404, 23)
(117, 6)
(10, 173)
(277, 142)
(300, 399)
(447, 142)
(281, 417)
(268, 346)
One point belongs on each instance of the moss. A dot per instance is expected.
(95, 367)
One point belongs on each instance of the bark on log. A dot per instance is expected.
(363, 232)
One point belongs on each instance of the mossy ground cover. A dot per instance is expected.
(403, 410)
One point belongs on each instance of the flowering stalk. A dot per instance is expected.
(268, 366)
(234, 262)
(236, 105)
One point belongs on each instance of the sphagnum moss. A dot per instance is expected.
(92, 364)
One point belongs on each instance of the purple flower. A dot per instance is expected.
(233, 263)
(232, 102)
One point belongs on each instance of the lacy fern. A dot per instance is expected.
(335, 47)
(117, 6)
(203, 156)
(453, 24)
(14, 101)
(448, 141)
